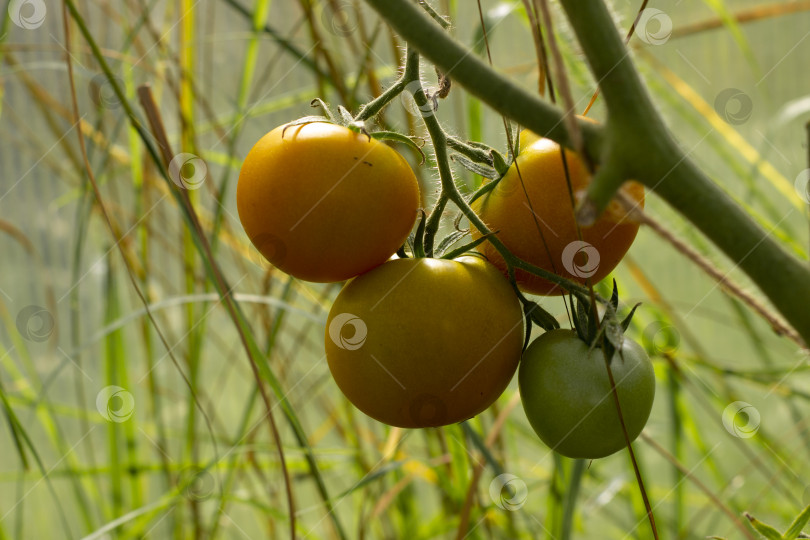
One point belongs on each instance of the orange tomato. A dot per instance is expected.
(323, 203)
(538, 225)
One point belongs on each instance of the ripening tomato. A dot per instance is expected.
(323, 203)
(425, 342)
(565, 391)
(540, 228)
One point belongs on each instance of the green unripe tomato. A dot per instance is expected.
(565, 391)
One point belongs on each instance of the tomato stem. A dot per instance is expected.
(433, 223)
(372, 108)
(449, 190)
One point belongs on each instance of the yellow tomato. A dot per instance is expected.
(538, 224)
(323, 203)
(425, 342)
(528, 138)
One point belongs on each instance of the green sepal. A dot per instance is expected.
(483, 190)
(612, 328)
(614, 297)
(476, 168)
(399, 137)
(626, 320)
(500, 164)
(466, 247)
(580, 318)
(409, 243)
(449, 240)
(345, 115)
(318, 102)
(540, 316)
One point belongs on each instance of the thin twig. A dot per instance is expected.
(561, 80)
(539, 47)
(116, 234)
(700, 485)
(755, 13)
(635, 213)
(156, 124)
(563, 86)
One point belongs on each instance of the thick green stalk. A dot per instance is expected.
(639, 139)
(656, 160)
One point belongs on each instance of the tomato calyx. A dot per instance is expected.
(345, 119)
(416, 245)
(607, 334)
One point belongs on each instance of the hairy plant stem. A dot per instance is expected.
(475, 153)
(449, 190)
(640, 145)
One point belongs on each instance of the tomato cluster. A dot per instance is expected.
(418, 341)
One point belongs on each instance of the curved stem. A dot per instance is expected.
(373, 107)
(432, 226)
(451, 192)
(475, 153)
(466, 69)
(640, 139)
(410, 73)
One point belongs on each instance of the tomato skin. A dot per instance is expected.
(323, 203)
(437, 343)
(539, 229)
(566, 394)
(528, 138)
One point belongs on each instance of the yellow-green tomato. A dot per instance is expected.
(425, 342)
(566, 393)
(323, 203)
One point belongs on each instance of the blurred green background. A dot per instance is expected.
(108, 432)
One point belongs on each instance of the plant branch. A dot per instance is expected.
(639, 141)
(450, 192)
(465, 68)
